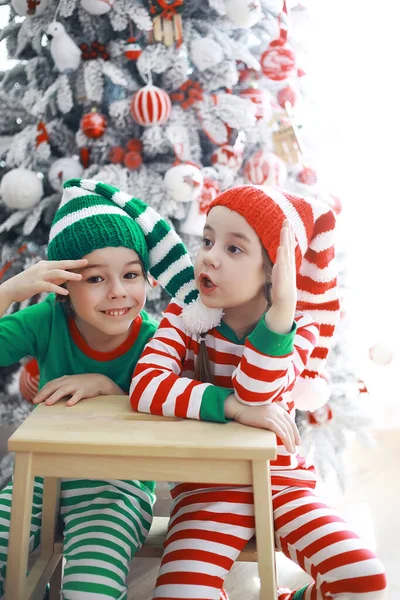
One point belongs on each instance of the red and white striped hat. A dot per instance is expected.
(314, 225)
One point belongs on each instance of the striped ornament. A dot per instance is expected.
(151, 106)
(265, 168)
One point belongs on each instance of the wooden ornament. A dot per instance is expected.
(167, 21)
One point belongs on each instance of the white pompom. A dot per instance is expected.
(198, 318)
(310, 393)
(21, 189)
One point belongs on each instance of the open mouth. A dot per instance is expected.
(116, 312)
(206, 284)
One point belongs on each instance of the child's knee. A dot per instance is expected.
(371, 580)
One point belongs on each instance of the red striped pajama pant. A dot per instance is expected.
(210, 526)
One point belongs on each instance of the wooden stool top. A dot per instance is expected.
(107, 426)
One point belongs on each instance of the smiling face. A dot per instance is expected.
(110, 295)
(229, 267)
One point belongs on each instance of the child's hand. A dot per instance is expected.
(272, 417)
(44, 276)
(280, 316)
(78, 387)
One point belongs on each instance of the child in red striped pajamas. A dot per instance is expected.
(267, 260)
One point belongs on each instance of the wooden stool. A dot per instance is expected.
(102, 438)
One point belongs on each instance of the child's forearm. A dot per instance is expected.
(279, 320)
(232, 407)
(5, 299)
(112, 389)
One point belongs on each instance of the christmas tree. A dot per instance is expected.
(169, 100)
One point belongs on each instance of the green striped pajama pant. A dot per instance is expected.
(105, 523)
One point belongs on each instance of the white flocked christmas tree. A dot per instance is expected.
(169, 100)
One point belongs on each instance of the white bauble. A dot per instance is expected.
(21, 189)
(22, 7)
(184, 182)
(381, 355)
(97, 7)
(63, 169)
(243, 13)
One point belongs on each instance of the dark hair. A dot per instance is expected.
(203, 371)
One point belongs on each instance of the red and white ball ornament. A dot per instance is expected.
(97, 7)
(321, 416)
(132, 49)
(228, 156)
(29, 8)
(93, 124)
(21, 189)
(265, 168)
(307, 176)
(259, 98)
(151, 106)
(278, 62)
(184, 182)
(208, 193)
(287, 94)
(63, 169)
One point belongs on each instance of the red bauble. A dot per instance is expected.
(307, 176)
(116, 155)
(132, 160)
(29, 380)
(151, 106)
(84, 155)
(208, 193)
(278, 62)
(287, 94)
(321, 416)
(134, 145)
(93, 124)
(132, 49)
(227, 156)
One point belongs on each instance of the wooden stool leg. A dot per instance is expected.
(55, 581)
(21, 514)
(51, 502)
(47, 561)
(264, 529)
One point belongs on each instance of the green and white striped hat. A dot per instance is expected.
(95, 215)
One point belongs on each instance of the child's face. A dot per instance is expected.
(110, 294)
(229, 267)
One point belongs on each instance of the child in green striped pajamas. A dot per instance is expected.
(87, 336)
